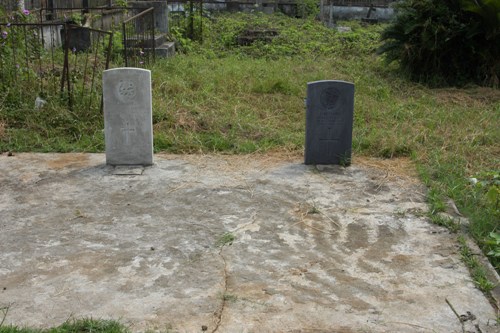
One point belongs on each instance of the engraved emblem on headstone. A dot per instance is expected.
(126, 90)
(329, 97)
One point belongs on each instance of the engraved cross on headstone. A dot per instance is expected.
(126, 131)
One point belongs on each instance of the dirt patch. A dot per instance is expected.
(3, 127)
(69, 160)
(471, 97)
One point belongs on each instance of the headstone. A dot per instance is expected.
(160, 12)
(329, 121)
(128, 116)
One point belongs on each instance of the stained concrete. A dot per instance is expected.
(315, 249)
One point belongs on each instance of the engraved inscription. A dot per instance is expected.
(330, 98)
(330, 126)
(126, 132)
(126, 91)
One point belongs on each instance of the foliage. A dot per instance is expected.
(18, 46)
(487, 185)
(296, 37)
(493, 240)
(120, 3)
(117, 47)
(187, 26)
(486, 190)
(307, 8)
(446, 42)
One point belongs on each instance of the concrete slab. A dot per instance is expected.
(258, 243)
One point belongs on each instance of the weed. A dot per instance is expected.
(74, 326)
(445, 221)
(91, 325)
(477, 271)
(310, 208)
(345, 160)
(230, 297)
(226, 239)
(493, 243)
(401, 213)
(435, 199)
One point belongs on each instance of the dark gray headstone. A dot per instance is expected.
(329, 120)
(128, 116)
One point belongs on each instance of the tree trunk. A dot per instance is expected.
(20, 5)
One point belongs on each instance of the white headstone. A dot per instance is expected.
(128, 116)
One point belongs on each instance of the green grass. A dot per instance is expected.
(220, 97)
(74, 326)
(478, 272)
(227, 238)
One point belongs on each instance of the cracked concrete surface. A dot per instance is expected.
(316, 249)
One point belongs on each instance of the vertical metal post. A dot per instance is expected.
(191, 22)
(110, 47)
(154, 39)
(125, 44)
(201, 20)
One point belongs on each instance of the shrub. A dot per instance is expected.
(446, 42)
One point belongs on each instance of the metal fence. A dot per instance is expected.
(10, 5)
(104, 18)
(361, 3)
(187, 17)
(47, 62)
(139, 40)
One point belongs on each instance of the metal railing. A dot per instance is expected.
(49, 61)
(361, 3)
(139, 42)
(104, 18)
(10, 5)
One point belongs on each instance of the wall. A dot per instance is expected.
(356, 13)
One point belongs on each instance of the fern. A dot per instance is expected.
(446, 42)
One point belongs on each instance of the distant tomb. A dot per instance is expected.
(128, 122)
(329, 121)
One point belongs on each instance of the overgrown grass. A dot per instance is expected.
(221, 97)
